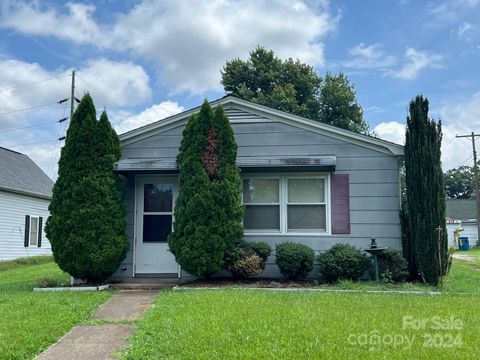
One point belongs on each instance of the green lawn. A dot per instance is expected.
(259, 324)
(29, 321)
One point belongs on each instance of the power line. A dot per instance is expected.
(27, 108)
(33, 143)
(96, 89)
(33, 82)
(28, 127)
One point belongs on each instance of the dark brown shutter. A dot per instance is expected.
(340, 204)
(39, 242)
(27, 231)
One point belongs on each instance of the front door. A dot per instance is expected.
(155, 203)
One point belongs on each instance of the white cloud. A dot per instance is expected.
(115, 83)
(464, 28)
(123, 123)
(76, 25)
(110, 83)
(415, 62)
(369, 57)
(461, 118)
(392, 131)
(190, 42)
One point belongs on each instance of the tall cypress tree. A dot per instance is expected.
(425, 234)
(87, 223)
(208, 212)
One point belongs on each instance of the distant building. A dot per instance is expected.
(25, 193)
(463, 213)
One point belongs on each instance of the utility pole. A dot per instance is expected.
(475, 169)
(72, 95)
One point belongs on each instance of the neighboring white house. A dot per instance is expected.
(25, 193)
(462, 213)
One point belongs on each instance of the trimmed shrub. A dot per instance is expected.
(343, 262)
(247, 267)
(392, 266)
(261, 248)
(87, 225)
(294, 260)
(208, 212)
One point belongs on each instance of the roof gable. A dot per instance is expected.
(239, 111)
(18, 173)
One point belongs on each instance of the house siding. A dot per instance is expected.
(373, 179)
(13, 208)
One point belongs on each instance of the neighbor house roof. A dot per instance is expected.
(461, 209)
(230, 101)
(18, 173)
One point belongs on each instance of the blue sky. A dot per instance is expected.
(144, 60)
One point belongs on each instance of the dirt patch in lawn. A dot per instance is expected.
(261, 283)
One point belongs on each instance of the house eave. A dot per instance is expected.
(26, 193)
(270, 115)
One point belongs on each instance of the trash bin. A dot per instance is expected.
(463, 243)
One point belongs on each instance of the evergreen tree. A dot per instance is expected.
(208, 212)
(87, 224)
(425, 195)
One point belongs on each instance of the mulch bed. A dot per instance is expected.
(261, 283)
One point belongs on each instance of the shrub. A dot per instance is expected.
(261, 248)
(343, 262)
(87, 226)
(208, 213)
(48, 282)
(294, 260)
(248, 266)
(392, 266)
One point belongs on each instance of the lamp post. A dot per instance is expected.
(374, 250)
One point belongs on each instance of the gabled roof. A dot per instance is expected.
(268, 114)
(18, 173)
(461, 209)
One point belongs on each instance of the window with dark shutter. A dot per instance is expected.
(26, 231)
(340, 204)
(40, 224)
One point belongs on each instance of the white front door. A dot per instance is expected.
(155, 197)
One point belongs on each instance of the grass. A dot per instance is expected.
(257, 324)
(32, 260)
(30, 322)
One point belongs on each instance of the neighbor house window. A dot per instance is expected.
(285, 204)
(33, 231)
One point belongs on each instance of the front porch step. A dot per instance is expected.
(143, 286)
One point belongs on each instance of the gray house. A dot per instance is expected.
(25, 193)
(303, 181)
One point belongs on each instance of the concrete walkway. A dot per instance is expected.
(99, 342)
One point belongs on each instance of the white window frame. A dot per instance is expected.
(279, 203)
(283, 198)
(30, 231)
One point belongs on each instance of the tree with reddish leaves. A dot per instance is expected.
(208, 213)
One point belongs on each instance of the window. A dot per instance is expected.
(262, 204)
(306, 204)
(286, 204)
(157, 212)
(33, 231)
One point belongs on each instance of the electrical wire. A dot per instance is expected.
(33, 82)
(27, 127)
(27, 108)
(33, 143)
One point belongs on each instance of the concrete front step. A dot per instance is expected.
(143, 286)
